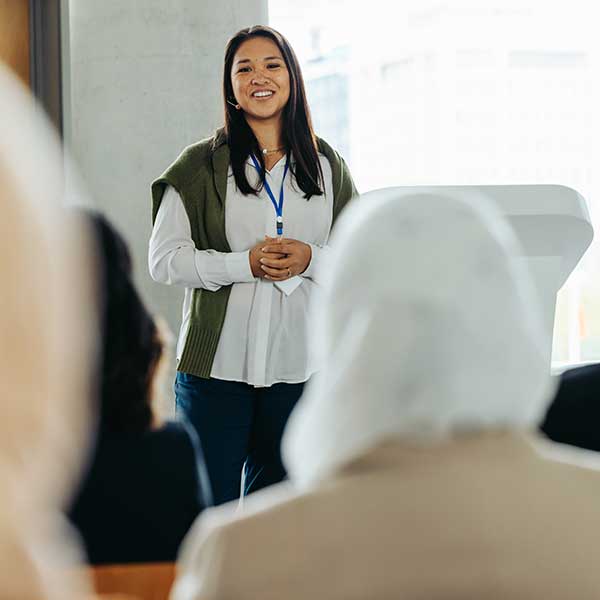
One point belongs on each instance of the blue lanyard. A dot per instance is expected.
(277, 205)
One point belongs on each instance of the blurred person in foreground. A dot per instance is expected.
(47, 324)
(573, 417)
(414, 469)
(147, 481)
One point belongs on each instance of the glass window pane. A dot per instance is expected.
(463, 92)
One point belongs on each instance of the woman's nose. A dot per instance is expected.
(259, 78)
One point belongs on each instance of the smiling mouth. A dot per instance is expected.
(263, 94)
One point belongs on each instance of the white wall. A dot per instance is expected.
(143, 80)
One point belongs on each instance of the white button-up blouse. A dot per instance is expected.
(264, 336)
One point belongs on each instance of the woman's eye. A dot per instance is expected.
(273, 65)
(244, 70)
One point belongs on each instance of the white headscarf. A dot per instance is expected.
(427, 325)
(47, 324)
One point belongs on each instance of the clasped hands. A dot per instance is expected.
(278, 259)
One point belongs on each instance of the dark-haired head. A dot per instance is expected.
(298, 134)
(131, 346)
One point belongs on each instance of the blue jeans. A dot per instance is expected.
(239, 427)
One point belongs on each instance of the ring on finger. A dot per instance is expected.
(289, 272)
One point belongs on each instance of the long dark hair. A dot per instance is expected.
(298, 134)
(131, 346)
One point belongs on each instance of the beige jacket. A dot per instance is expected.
(482, 517)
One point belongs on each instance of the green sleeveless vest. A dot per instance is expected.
(199, 175)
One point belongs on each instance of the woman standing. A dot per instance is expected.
(241, 221)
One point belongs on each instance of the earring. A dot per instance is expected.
(236, 106)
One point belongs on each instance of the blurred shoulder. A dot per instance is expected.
(213, 559)
(588, 375)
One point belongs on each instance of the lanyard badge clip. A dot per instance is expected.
(278, 206)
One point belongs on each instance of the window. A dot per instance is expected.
(464, 92)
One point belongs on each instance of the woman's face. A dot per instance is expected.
(260, 79)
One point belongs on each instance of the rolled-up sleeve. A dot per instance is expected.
(173, 258)
(319, 254)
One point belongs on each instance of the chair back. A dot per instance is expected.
(139, 581)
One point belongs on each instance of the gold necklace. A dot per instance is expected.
(266, 152)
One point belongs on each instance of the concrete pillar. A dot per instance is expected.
(143, 80)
